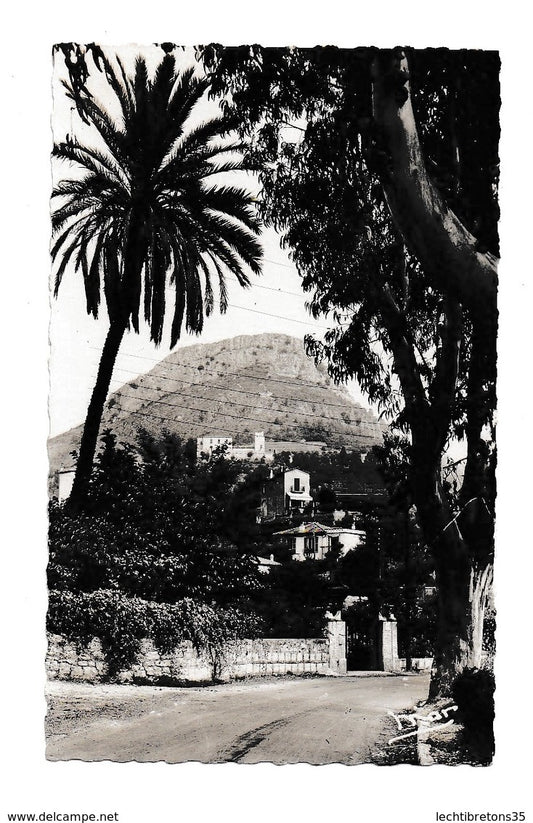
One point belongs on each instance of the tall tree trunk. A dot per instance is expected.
(447, 251)
(463, 580)
(93, 419)
(455, 653)
(409, 588)
(464, 274)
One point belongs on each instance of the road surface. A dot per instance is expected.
(293, 720)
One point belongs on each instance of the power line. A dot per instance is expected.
(270, 288)
(226, 373)
(238, 417)
(234, 416)
(173, 420)
(246, 405)
(279, 316)
(276, 263)
(230, 388)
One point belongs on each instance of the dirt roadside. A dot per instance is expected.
(279, 720)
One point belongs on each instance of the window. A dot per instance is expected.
(296, 484)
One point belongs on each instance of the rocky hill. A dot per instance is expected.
(234, 387)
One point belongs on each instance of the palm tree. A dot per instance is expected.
(144, 214)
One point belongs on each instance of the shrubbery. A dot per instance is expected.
(121, 623)
(153, 554)
(473, 691)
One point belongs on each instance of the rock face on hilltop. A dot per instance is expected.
(234, 387)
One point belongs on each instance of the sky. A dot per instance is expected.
(275, 302)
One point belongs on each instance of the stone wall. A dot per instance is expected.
(245, 658)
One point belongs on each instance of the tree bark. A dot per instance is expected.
(447, 251)
(466, 276)
(94, 415)
(463, 579)
(455, 653)
(409, 588)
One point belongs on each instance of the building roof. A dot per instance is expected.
(318, 528)
(308, 528)
(336, 531)
(300, 496)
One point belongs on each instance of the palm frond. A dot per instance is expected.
(121, 87)
(75, 206)
(195, 142)
(72, 231)
(186, 93)
(233, 202)
(128, 89)
(110, 134)
(148, 210)
(92, 160)
(179, 308)
(196, 165)
(236, 237)
(222, 286)
(68, 251)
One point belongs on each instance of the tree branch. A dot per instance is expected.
(405, 363)
(434, 234)
(444, 385)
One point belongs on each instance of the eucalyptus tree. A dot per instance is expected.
(380, 169)
(152, 204)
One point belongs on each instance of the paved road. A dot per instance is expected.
(322, 720)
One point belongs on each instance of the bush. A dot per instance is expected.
(473, 691)
(162, 550)
(121, 622)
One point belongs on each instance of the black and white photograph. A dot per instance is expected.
(302, 517)
(276, 524)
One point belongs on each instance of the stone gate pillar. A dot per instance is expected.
(337, 642)
(388, 645)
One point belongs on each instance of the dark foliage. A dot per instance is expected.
(151, 556)
(295, 599)
(473, 691)
(340, 471)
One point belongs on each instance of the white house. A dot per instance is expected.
(296, 487)
(312, 541)
(285, 493)
(207, 444)
(255, 451)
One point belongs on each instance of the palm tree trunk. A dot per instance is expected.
(94, 415)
